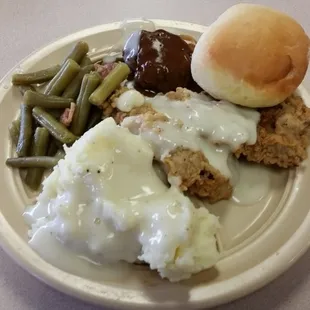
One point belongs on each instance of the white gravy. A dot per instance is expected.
(105, 202)
(215, 128)
(220, 122)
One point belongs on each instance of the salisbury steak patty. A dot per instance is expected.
(163, 61)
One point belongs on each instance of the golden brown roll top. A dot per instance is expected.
(252, 56)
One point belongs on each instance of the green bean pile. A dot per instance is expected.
(37, 133)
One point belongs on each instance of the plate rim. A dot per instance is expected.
(112, 297)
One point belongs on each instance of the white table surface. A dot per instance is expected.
(25, 26)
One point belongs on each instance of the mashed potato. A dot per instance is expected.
(105, 202)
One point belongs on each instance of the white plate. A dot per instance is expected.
(259, 242)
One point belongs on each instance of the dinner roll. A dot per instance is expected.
(251, 55)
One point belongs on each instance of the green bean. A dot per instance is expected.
(63, 78)
(26, 130)
(78, 52)
(109, 84)
(52, 148)
(72, 90)
(59, 144)
(56, 129)
(85, 61)
(35, 77)
(24, 88)
(40, 142)
(39, 148)
(94, 118)
(14, 130)
(33, 162)
(56, 113)
(33, 98)
(82, 109)
(60, 154)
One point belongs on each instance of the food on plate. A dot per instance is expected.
(85, 61)
(73, 89)
(40, 76)
(105, 69)
(95, 116)
(128, 100)
(83, 105)
(26, 130)
(283, 135)
(109, 84)
(24, 88)
(55, 128)
(66, 117)
(14, 131)
(136, 147)
(251, 55)
(63, 78)
(33, 98)
(160, 60)
(91, 204)
(78, 52)
(193, 136)
(39, 148)
(55, 108)
(32, 162)
(197, 176)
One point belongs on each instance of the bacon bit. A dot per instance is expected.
(104, 70)
(67, 115)
(120, 116)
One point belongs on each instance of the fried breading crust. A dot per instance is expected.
(197, 176)
(191, 168)
(109, 106)
(283, 138)
(283, 135)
